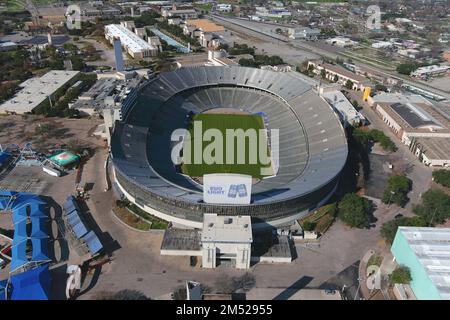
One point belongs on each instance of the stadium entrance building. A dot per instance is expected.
(226, 239)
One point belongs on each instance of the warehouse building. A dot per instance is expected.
(418, 124)
(342, 75)
(135, 46)
(340, 104)
(425, 73)
(425, 252)
(304, 33)
(37, 91)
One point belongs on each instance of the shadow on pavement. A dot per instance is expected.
(347, 277)
(294, 288)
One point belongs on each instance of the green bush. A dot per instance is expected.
(442, 177)
(122, 203)
(355, 211)
(407, 68)
(308, 226)
(363, 137)
(389, 229)
(349, 84)
(397, 190)
(435, 206)
(238, 49)
(401, 275)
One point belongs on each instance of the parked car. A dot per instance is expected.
(330, 291)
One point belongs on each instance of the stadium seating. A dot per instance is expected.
(312, 146)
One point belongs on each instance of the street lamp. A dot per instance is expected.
(390, 198)
(357, 289)
(432, 217)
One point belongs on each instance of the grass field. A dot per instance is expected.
(20, 5)
(252, 163)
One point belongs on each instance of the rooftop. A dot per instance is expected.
(36, 90)
(205, 25)
(431, 247)
(435, 148)
(128, 38)
(343, 72)
(227, 228)
(181, 239)
(415, 116)
(341, 103)
(268, 245)
(96, 96)
(439, 111)
(428, 69)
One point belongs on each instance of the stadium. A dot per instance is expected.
(312, 144)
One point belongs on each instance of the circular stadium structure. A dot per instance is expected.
(312, 144)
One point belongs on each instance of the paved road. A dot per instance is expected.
(416, 171)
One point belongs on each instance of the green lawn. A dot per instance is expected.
(20, 5)
(250, 166)
(203, 6)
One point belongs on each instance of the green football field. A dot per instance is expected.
(250, 163)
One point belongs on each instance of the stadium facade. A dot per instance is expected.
(312, 144)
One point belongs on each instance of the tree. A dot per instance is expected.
(126, 294)
(323, 73)
(248, 63)
(435, 206)
(385, 142)
(336, 78)
(442, 176)
(407, 68)
(226, 284)
(44, 129)
(308, 226)
(180, 293)
(397, 190)
(401, 275)
(355, 211)
(389, 229)
(349, 84)
(380, 87)
(245, 282)
(355, 104)
(327, 32)
(75, 146)
(147, 18)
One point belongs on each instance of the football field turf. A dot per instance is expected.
(222, 122)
